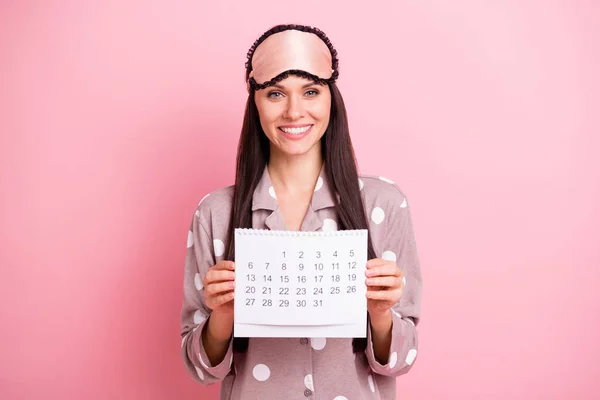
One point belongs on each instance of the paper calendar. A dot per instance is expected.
(300, 284)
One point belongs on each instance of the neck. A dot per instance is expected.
(295, 174)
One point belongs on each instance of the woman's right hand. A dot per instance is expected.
(219, 284)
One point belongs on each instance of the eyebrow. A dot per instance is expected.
(303, 87)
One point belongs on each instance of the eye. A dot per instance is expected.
(312, 92)
(274, 95)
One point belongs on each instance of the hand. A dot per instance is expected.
(384, 286)
(219, 284)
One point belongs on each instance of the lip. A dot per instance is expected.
(294, 126)
(295, 137)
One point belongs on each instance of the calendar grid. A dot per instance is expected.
(300, 278)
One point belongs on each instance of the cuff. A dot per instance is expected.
(218, 371)
(402, 349)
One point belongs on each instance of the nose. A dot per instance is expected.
(294, 108)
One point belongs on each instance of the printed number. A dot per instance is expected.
(335, 253)
(302, 279)
(317, 303)
(318, 291)
(285, 279)
(249, 302)
(352, 265)
(301, 254)
(284, 254)
(318, 278)
(267, 266)
(284, 303)
(300, 303)
(251, 277)
(335, 290)
(250, 265)
(300, 291)
(301, 267)
(335, 278)
(351, 253)
(351, 289)
(267, 278)
(250, 289)
(336, 265)
(266, 290)
(318, 254)
(284, 290)
(319, 267)
(267, 303)
(351, 277)
(283, 266)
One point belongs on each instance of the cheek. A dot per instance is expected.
(322, 111)
(267, 115)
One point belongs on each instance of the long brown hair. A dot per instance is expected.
(338, 155)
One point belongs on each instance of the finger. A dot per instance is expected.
(375, 262)
(389, 269)
(384, 295)
(214, 275)
(217, 288)
(221, 299)
(227, 265)
(385, 281)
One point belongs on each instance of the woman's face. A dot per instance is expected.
(294, 115)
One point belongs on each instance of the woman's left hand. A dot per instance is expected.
(384, 286)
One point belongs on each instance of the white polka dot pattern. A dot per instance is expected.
(198, 282)
(219, 247)
(393, 359)
(200, 373)
(261, 372)
(410, 357)
(329, 225)
(272, 192)
(190, 240)
(308, 382)
(389, 256)
(199, 317)
(318, 343)
(377, 215)
(371, 383)
(386, 179)
(319, 184)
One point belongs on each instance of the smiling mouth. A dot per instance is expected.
(295, 130)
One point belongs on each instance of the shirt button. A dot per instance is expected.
(304, 340)
(307, 393)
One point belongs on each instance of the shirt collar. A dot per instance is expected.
(264, 195)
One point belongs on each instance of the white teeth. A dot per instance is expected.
(296, 131)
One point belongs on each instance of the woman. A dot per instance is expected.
(296, 171)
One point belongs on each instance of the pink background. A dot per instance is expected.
(116, 119)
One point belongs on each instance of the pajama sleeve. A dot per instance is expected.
(194, 312)
(399, 245)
